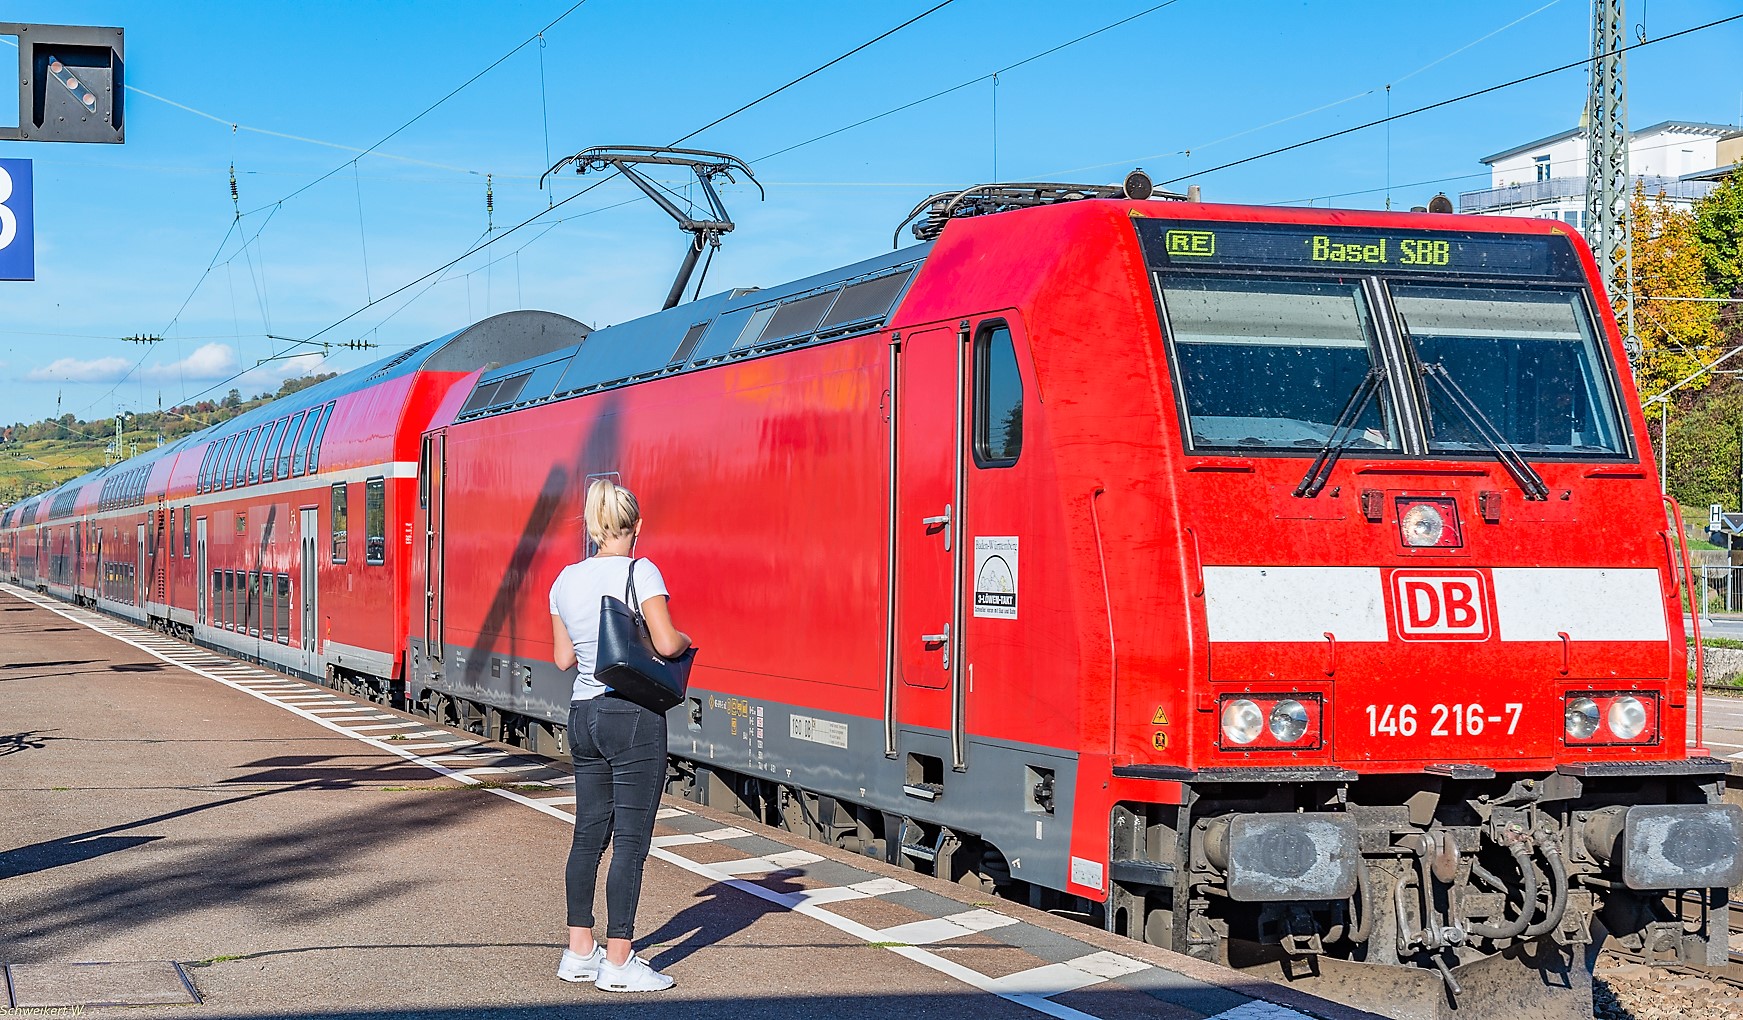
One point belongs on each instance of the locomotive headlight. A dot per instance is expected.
(1422, 525)
(1288, 721)
(1582, 718)
(1242, 721)
(1627, 717)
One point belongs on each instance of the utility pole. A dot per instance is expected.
(1608, 182)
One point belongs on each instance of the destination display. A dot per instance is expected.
(1178, 245)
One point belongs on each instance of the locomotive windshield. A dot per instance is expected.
(1300, 337)
(1274, 363)
(1529, 359)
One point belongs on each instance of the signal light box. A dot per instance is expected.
(70, 84)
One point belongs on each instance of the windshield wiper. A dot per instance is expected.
(1529, 480)
(1319, 472)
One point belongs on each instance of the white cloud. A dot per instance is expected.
(86, 370)
(211, 361)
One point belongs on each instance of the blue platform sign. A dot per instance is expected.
(17, 221)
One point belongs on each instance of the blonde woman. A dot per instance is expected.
(619, 747)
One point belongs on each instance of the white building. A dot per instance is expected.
(1546, 179)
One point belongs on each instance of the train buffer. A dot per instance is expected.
(191, 832)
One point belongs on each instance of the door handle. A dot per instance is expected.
(941, 520)
(940, 639)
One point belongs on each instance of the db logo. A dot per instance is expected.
(1440, 605)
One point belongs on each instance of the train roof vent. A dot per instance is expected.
(395, 361)
(986, 199)
(687, 346)
(798, 317)
(866, 301)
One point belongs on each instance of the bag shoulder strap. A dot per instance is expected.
(635, 605)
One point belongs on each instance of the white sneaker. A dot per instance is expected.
(634, 976)
(576, 967)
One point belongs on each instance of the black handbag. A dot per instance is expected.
(627, 662)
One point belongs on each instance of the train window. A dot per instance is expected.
(998, 399)
(214, 606)
(341, 523)
(238, 452)
(274, 445)
(483, 395)
(256, 450)
(375, 521)
(172, 532)
(1528, 359)
(229, 600)
(314, 463)
(293, 430)
(300, 453)
(1274, 363)
(187, 531)
(282, 624)
(253, 611)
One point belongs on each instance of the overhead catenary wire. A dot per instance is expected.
(972, 81)
(501, 235)
(1187, 151)
(273, 207)
(1581, 63)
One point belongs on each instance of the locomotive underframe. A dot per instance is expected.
(1491, 892)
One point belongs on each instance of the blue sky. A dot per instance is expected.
(125, 233)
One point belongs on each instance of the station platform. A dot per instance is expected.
(196, 834)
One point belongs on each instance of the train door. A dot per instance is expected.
(141, 584)
(308, 619)
(201, 573)
(431, 478)
(102, 578)
(927, 542)
(1007, 647)
(78, 560)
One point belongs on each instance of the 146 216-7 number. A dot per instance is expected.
(1443, 720)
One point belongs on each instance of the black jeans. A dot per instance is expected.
(619, 750)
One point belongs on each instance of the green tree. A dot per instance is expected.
(1719, 227)
(1677, 336)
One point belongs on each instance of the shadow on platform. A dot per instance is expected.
(286, 875)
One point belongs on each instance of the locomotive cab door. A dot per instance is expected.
(431, 476)
(925, 695)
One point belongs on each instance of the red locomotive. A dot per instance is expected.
(1289, 588)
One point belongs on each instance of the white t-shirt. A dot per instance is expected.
(575, 598)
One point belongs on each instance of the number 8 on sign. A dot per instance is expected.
(8, 219)
(17, 221)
